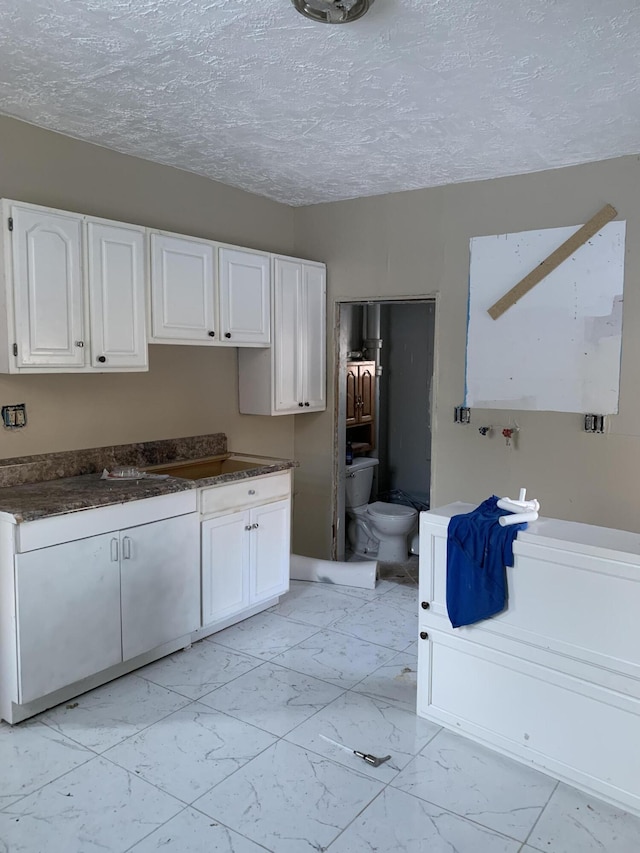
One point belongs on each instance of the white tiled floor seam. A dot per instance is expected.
(542, 811)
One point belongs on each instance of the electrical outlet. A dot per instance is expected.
(14, 416)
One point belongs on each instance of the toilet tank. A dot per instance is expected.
(358, 480)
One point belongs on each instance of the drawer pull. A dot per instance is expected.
(424, 635)
(251, 492)
(425, 605)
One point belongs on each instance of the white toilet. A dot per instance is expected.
(379, 529)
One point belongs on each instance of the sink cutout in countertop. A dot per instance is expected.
(199, 469)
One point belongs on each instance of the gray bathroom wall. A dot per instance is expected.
(353, 318)
(405, 398)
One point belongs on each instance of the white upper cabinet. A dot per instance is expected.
(245, 296)
(291, 377)
(313, 346)
(183, 303)
(202, 293)
(116, 262)
(74, 289)
(47, 288)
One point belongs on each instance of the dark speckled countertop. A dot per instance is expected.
(30, 489)
(31, 501)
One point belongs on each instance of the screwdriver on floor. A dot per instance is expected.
(373, 760)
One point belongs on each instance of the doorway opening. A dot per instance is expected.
(384, 406)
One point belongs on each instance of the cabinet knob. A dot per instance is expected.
(251, 492)
(102, 359)
(255, 526)
(227, 334)
(247, 527)
(424, 635)
(211, 334)
(301, 404)
(307, 404)
(425, 605)
(79, 344)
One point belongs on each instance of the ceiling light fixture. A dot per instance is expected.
(333, 11)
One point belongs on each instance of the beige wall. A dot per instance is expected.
(417, 243)
(405, 244)
(188, 390)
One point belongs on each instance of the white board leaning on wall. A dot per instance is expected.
(558, 348)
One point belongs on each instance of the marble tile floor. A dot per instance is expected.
(218, 748)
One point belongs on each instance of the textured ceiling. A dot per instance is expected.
(248, 92)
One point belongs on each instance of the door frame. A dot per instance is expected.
(340, 398)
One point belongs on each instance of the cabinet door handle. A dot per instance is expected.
(115, 549)
(211, 334)
(227, 334)
(102, 359)
(126, 548)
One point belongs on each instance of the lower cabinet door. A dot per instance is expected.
(270, 550)
(160, 568)
(225, 566)
(68, 613)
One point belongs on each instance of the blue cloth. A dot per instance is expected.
(478, 551)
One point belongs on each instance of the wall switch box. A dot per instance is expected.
(14, 417)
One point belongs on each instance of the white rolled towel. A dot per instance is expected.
(517, 518)
(518, 506)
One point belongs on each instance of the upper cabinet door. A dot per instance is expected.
(182, 290)
(352, 395)
(48, 288)
(313, 346)
(293, 380)
(287, 310)
(245, 295)
(116, 264)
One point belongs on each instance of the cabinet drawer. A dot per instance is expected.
(561, 724)
(245, 493)
(31, 535)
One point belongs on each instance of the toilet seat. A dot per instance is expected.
(386, 510)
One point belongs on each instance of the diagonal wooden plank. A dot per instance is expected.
(606, 214)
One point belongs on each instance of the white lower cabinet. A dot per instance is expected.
(159, 583)
(271, 548)
(90, 595)
(245, 557)
(68, 614)
(225, 566)
(84, 606)
(553, 680)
